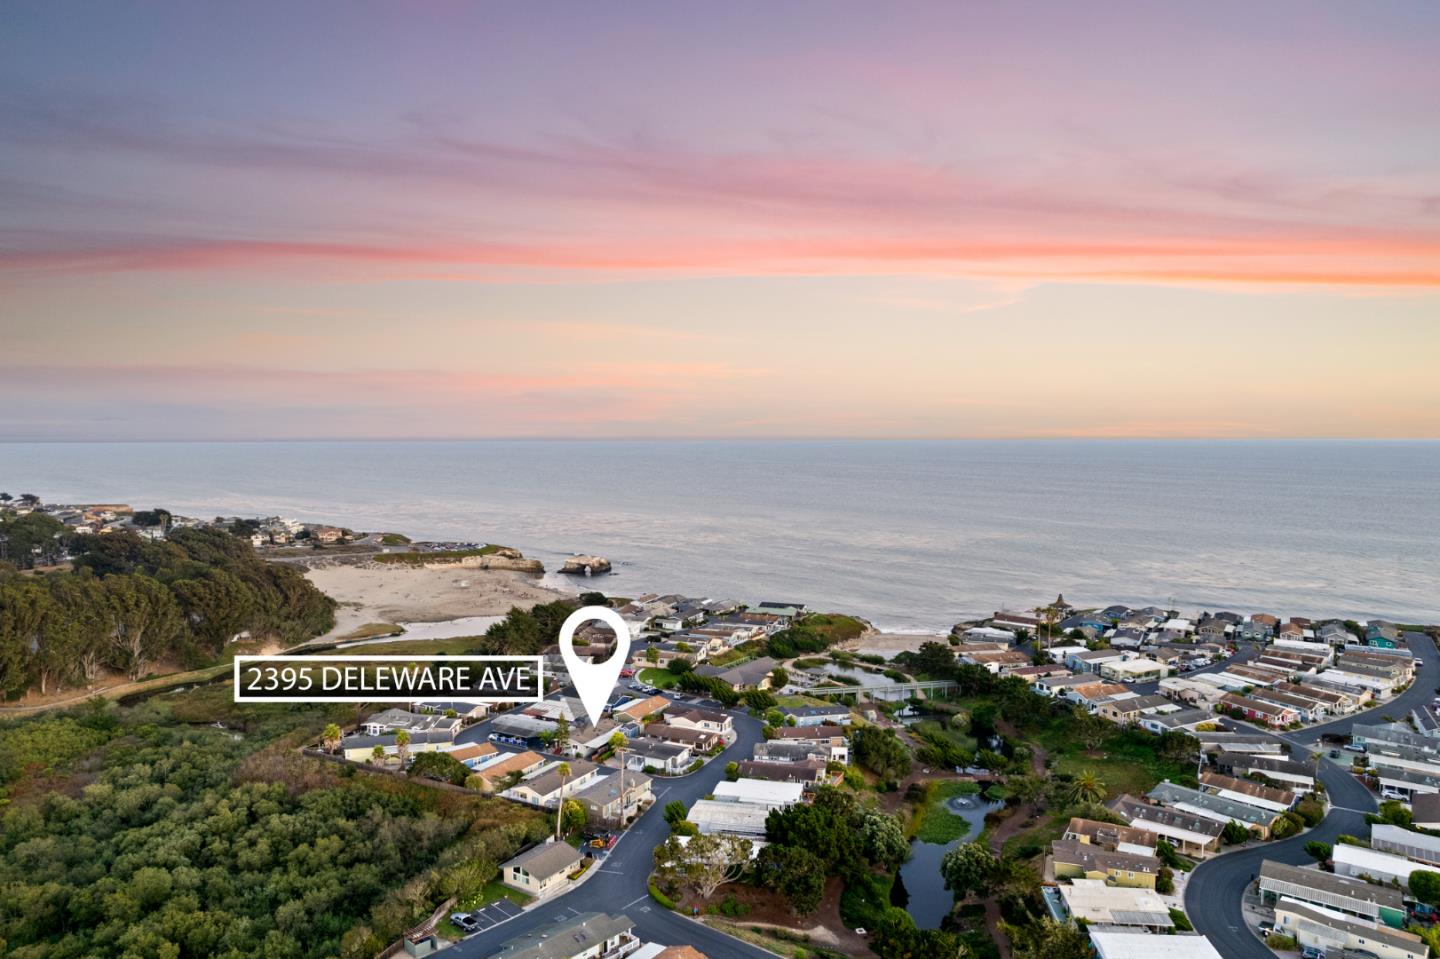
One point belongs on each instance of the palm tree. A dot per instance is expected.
(377, 755)
(618, 744)
(1087, 787)
(564, 770)
(1047, 616)
(402, 748)
(331, 737)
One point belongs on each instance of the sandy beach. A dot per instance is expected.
(876, 643)
(403, 594)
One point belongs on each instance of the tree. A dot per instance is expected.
(1047, 939)
(217, 606)
(703, 863)
(1165, 881)
(572, 816)
(562, 735)
(145, 621)
(563, 770)
(794, 872)
(652, 655)
(1319, 851)
(441, 767)
(679, 665)
(674, 812)
(618, 745)
(1087, 786)
(1425, 886)
(402, 747)
(881, 752)
(884, 841)
(732, 771)
(377, 755)
(331, 737)
(1026, 788)
(1091, 730)
(779, 678)
(895, 937)
(968, 869)
(759, 700)
(1393, 813)
(1234, 834)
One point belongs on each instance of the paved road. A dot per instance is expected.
(621, 884)
(1217, 887)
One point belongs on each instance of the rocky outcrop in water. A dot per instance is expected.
(586, 566)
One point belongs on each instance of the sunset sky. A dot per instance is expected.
(1020, 219)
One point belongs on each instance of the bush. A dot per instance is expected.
(660, 897)
(1281, 943)
(1311, 811)
(1182, 921)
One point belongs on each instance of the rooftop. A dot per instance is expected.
(547, 859)
(561, 940)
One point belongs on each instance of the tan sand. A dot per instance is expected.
(875, 643)
(372, 593)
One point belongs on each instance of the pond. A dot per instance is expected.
(865, 677)
(929, 900)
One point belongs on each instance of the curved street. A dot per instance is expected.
(622, 882)
(1215, 890)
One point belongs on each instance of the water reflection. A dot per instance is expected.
(929, 901)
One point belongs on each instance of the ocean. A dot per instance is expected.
(913, 536)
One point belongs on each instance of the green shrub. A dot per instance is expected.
(660, 897)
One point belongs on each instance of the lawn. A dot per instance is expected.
(797, 702)
(938, 824)
(450, 646)
(494, 891)
(419, 558)
(1037, 837)
(372, 631)
(659, 678)
(1125, 764)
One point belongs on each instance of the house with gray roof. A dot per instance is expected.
(1218, 808)
(586, 936)
(542, 870)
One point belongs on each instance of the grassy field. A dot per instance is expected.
(372, 631)
(1124, 765)
(659, 678)
(1046, 829)
(418, 558)
(450, 646)
(937, 823)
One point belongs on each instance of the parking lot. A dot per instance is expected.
(493, 914)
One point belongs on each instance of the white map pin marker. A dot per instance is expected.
(594, 681)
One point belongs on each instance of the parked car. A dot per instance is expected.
(1334, 754)
(464, 921)
(1266, 928)
(1312, 952)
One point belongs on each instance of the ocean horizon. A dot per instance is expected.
(909, 534)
